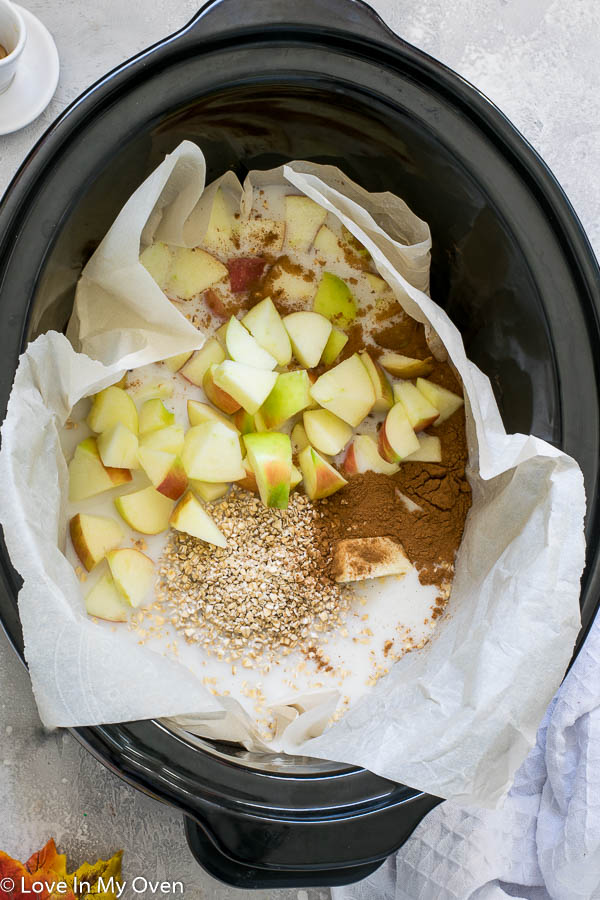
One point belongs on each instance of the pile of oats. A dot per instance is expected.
(266, 593)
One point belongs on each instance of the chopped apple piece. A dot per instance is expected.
(320, 478)
(327, 244)
(245, 272)
(430, 450)
(447, 402)
(165, 471)
(87, 474)
(248, 482)
(397, 438)
(289, 281)
(104, 601)
(202, 412)
(325, 431)
(249, 387)
(220, 335)
(110, 406)
(421, 413)
(154, 415)
(212, 353)
(270, 456)
(290, 395)
(147, 390)
(132, 572)
(355, 559)
(295, 478)
(244, 422)
(169, 440)
(354, 244)
(299, 438)
(221, 225)
(405, 366)
(346, 390)
(265, 324)
(384, 397)
(243, 348)
(217, 395)
(376, 283)
(157, 260)
(335, 300)
(303, 218)
(309, 333)
(93, 537)
(118, 448)
(261, 235)
(209, 491)
(146, 511)
(363, 456)
(174, 363)
(190, 516)
(336, 342)
(192, 271)
(211, 452)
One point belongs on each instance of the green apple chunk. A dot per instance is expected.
(132, 572)
(244, 348)
(244, 422)
(325, 431)
(336, 342)
(212, 353)
(421, 413)
(354, 244)
(104, 601)
(346, 390)
(165, 471)
(295, 478)
(303, 218)
(299, 438)
(192, 272)
(93, 537)
(270, 456)
(201, 412)
(154, 415)
(169, 439)
(265, 324)
(87, 474)
(248, 386)
(335, 300)
(397, 438)
(146, 511)
(111, 406)
(190, 516)
(384, 397)
(207, 490)
(430, 449)
(309, 333)
(363, 456)
(290, 395)
(118, 447)
(211, 452)
(445, 401)
(221, 225)
(174, 363)
(320, 478)
(405, 366)
(157, 259)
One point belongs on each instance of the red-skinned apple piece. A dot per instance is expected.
(165, 471)
(93, 537)
(217, 395)
(397, 438)
(270, 457)
(245, 272)
(320, 478)
(363, 456)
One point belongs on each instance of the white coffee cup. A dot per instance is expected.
(12, 38)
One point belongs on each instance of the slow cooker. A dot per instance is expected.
(257, 84)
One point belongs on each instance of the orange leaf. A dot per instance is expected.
(47, 870)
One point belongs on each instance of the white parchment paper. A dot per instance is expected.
(456, 718)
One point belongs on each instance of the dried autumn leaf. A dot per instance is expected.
(47, 867)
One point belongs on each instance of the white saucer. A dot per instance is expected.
(35, 80)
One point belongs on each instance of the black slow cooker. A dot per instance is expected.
(255, 85)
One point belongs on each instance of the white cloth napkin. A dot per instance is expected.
(544, 841)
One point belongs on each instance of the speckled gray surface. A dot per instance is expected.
(539, 60)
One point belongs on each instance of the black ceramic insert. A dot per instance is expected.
(256, 85)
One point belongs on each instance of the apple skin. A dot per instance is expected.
(320, 478)
(335, 300)
(363, 456)
(381, 386)
(217, 395)
(395, 448)
(336, 342)
(270, 458)
(245, 272)
(248, 482)
(175, 481)
(405, 366)
(244, 422)
(86, 530)
(289, 396)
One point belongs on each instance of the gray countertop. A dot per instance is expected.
(539, 61)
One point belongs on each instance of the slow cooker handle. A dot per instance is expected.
(222, 17)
